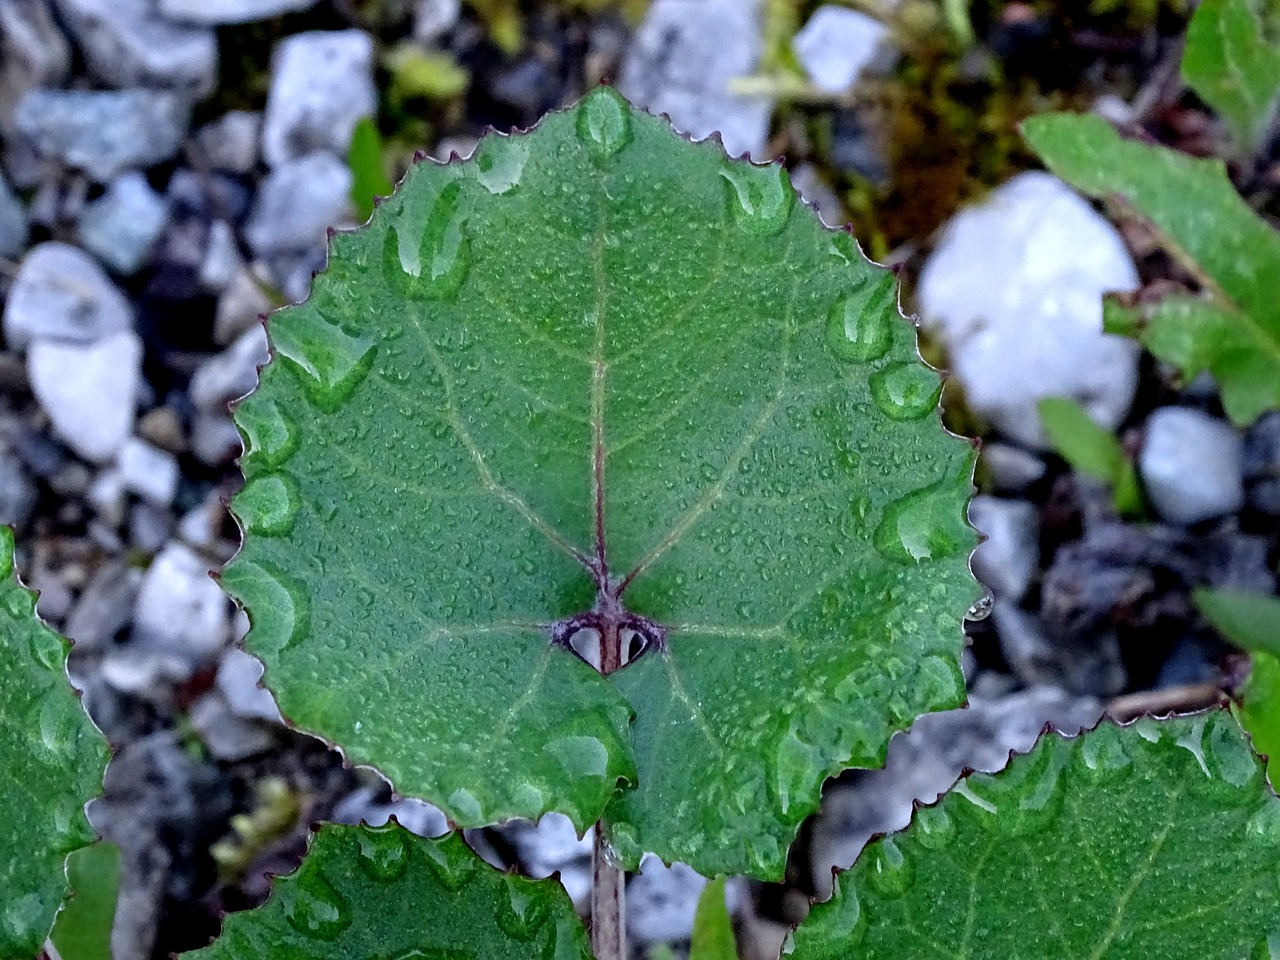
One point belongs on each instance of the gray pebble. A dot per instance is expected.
(103, 132)
(681, 62)
(1094, 666)
(229, 11)
(1011, 469)
(122, 226)
(836, 44)
(1008, 559)
(321, 84)
(230, 143)
(1262, 463)
(13, 222)
(180, 609)
(61, 293)
(125, 44)
(230, 374)
(89, 390)
(33, 53)
(296, 204)
(1191, 465)
(17, 492)
(433, 18)
(149, 472)
(105, 606)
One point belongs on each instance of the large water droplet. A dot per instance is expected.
(796, 767)
(383, 852)
(905, 391)
(580, 756)
(312, 906)
(927, 524)
(523, 912)
(440, 258)
(279, 605)
(1263, 828)
(844, 922)
(268, 505)
(19, 603)
(938, 684)
(860, 325)
(331, 363)
(48, 649)
(934, 828)
(499, 162)
(465, 806)
(1229, 755)
(451, 862)
(889, 872)
(272, 438)
(1103, 753)
(59, 727)
(760, 198)
(604, 123)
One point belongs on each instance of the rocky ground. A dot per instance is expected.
(169, 169)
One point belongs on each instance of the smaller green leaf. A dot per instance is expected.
(364, 157)
(1157, 839)
(1259, 709)
(712, 928)
(1248, 619)
(83, 928)
(364, 892)
(1233, 68)
(1091, 449)
(1233, 329)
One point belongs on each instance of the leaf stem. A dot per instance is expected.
(608, 926)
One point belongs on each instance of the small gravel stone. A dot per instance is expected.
(321, 84)
(1008, 559)
(214, 439)
(552, 846)
(103, 132)
(89, 391)
(107, 497)
(810, 185)
(296, 204)
(1011, 469)
(17, 493)
(122, 226)
(149, 472)
(126, 45)
(222, 261)
(241, 305)
(1191, 465)
(230, 143)
(231, 374)
(433, 18)
(1014, 290)
(1095, 667)
(33, 53)
(661, 901)
(13, 222)
(1262, 463)
(162, 427)
(61, 293)
(681, 61)
(180, 608)
(229, 11)
(836, 44)
(106, 605)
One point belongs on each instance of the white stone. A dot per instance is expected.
(661, 901)
(222, 262)
(230, 143)
(297, 203)
(837, 44)
(229, 11)
(33, 53)
(231, 374)
(1009, 557)
(682, 61)
(1191, 465)
(61, 293)
(321, 84)
(122, 226)
(433, 18)
(89, 391)
(149, 472)
(1014, 291)
(180, 608)
(215, 439)
(126, 44)
(239, 307)
(107, 497)
(240, 680)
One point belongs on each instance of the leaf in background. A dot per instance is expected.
(1091, 449)
(83, 928)
(1259, 709)
(1230, 63)
(712, 929)
(384, 892)
(503, 20)
(1159, 839)
(1203, 223)
(53, 759)
(1249, 619)
(369, 179)
(596, 371)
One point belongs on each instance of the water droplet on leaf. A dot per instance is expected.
(524, 912)
(860, 325)
(889, 872)
(268, 505)
(271, 437)
(905, 391)
(383, 852)
(933, 827)
(924, 525)
(760, 198)
(313, 907)
(279, 606)
(604, 124)
(439, 259)
(451, 862)
(499, 162)
(48, 649)
(20, 603)
(330, 363)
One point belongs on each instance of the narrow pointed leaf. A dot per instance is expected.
(1259, 710)
(712, 928)
(52, 760)
(1248, 619)
(1091, 449)
(1206, 225)
(599, 375)
(1229, 62)
(382, 892)
(1160, 839)
(83, 928)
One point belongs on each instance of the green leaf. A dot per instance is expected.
(1091, 449)
(1248, 619)
(1259, 709)
(369, 179)
(383, 892)
(712, 929)
(1234, 330)
(83, 928)
(1160, 839)
(53, 760)
(597, 376)
(1231, 65)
